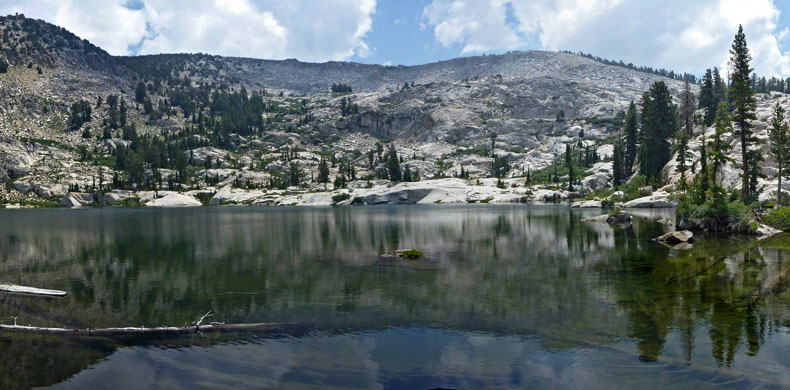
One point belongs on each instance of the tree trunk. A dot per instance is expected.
(779, 188)
(745, 155)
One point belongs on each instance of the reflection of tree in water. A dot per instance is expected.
(506, 270)
(661, 289)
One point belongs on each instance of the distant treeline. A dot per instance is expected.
(646, 69)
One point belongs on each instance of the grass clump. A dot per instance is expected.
(778, 218)
(411, 254)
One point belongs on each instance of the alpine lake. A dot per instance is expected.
(505, 297)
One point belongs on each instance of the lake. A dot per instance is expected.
(509, 296)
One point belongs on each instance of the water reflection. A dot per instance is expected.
(521, 284)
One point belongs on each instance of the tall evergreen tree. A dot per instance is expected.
(140, 92)
(719, 89)
(682, 150)
(631, 136)
(743, 104)
(717, 145)
(780, 147)
(393, 165)
(659, 122)
(617, 164)
(569, 164)
(687, 108)
(323, 172)
(706, 99)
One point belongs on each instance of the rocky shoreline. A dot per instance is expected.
(437, 191)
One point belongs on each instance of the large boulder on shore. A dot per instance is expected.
(676, 237)
(587, 204)
(657, 200)
(76, 199)
(174, 200)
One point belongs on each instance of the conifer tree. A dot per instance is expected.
(617, 164)
(682, 150)
(140, 92)
(393, 165)
(706, 98)
(659, 122)
(407, 175)
(780, 147)
(323, 172)
(718, 147)
(687, 108)
(719, 89)
(631, 135)
(743, 106)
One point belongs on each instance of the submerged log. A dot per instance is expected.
(13, 288)
(163, 330)
(773, 286)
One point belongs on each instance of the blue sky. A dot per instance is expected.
(675, 34)
(397, 37)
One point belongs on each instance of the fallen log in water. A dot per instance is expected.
(773, 286)
(259, 327)
(266, 327)
(13, 288)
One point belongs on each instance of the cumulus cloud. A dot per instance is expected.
(304, 29)
(673, 34)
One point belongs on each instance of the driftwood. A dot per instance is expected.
(773, 286)
(196, 327)
(13, 288)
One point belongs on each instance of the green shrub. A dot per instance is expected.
(779, 218)
(340, 197)
(716, 215)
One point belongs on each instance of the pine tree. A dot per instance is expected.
(687, 108)
(780, 147)
(682, 150)
(140, 92)
(631, 135)
(743, 105)
(323, 172)
(706, 98)
(122, 113)
(719, 89)
(393, 165)
(617, 165)
(407, 175)
(659, 122)
(718, 147)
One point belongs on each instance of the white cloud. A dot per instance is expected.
(476, 24)
(672, 34)
(304, 29)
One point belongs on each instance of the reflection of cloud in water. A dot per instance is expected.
(412, 358)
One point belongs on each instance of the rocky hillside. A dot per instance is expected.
(259, 130)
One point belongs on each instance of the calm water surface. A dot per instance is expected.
(507, 297)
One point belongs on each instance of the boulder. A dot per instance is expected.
(398, 196)
(676, 237)
(76, 199)
(600, 218)
(765, 231)
(657, 200)
(23, 186)
(618, 218)
(116, 196)
(586, 204)
(47, 191)
(174, 200)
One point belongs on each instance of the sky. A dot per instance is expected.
(681, 35)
